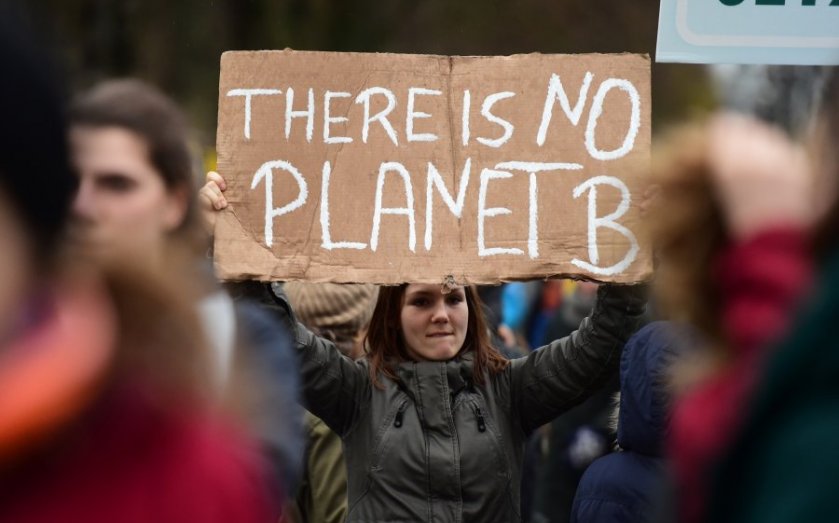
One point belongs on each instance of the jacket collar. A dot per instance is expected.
(415, 377)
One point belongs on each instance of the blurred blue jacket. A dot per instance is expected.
(517, 300)
(278, 416)
(623, 486)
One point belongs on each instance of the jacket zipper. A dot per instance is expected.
(397, 421)
(482, 427)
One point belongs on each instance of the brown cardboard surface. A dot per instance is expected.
(546, 197)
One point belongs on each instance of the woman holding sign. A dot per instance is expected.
(434, 419)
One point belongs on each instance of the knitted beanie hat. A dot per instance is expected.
(335, 309)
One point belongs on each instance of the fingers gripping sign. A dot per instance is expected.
(211, 200)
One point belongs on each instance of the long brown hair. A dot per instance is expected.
(386, 343)
(688, 232)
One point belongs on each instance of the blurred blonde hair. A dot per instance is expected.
(687, 230)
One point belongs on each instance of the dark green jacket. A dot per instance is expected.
(784, 465)
(435, 446)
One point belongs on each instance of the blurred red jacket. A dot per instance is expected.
(127, 460)
(762, 280)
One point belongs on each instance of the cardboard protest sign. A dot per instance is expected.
(384, 168)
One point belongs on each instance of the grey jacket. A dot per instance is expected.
(435, 446)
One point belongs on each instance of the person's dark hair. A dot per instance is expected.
(34, 166)
(142, 109)
(386, 343)
(827, 160)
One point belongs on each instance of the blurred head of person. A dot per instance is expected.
(688, 230)
(102, 370)
(69, 328)
(50, 352)
(724, 182)
(130, 150)
(338, 312)
(696, 218)
(424, 322)
(36, 184)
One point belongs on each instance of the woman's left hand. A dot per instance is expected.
(211, 200)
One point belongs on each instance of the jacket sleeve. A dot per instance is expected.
(563, 374)
(327, 476)
(335, 388)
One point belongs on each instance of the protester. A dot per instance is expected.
(625, 486)
(736, 200)
(103, 408)
(136, 199)
(341, 314)
(518, 302)
(782, 465)
(434, 420)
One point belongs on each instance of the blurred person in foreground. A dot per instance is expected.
(340, 313)
(737, 203)
(783, 463)
(625, 486)
(103, 400)
(136, 199)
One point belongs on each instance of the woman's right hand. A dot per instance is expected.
(211, 200)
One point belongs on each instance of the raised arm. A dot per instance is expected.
(563, 374)
(335, 388)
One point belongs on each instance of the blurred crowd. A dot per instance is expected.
(136, 387)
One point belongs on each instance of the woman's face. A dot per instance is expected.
(123, 203)
(434, 324)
